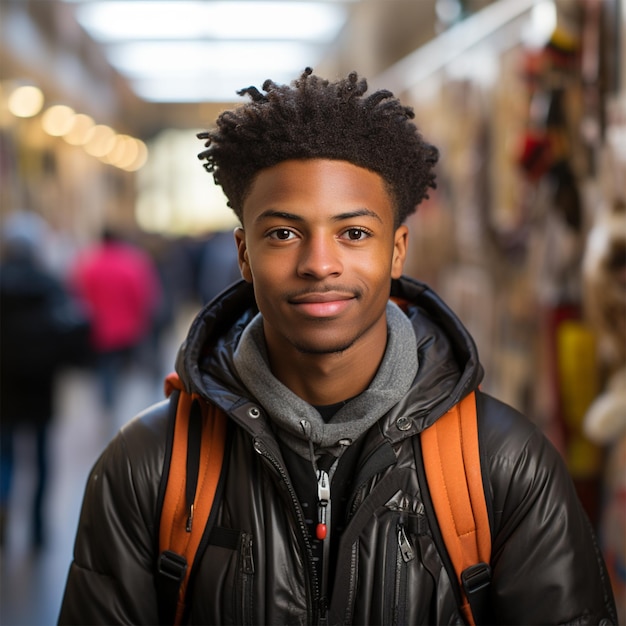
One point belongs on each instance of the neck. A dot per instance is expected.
(322, 379)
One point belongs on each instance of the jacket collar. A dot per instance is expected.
(449, 365)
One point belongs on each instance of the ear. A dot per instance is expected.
(401, 239)
(242, 254)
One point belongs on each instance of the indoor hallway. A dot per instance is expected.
(32, 581)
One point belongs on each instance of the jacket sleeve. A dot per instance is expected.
(111, 578)
(547, 568)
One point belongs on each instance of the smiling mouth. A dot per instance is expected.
(326, 304)
(321, 297)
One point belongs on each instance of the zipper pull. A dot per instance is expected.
(247, 558)
(323, 611)
(323, 497)
(189, 519)
(406, 549)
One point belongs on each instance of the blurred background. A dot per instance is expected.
(525, 236)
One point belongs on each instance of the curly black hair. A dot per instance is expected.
(317, 119)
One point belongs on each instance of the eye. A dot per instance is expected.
(355, 234)
(282, 234)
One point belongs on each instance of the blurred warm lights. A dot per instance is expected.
(127, 153)
(100, 140)
(119, 153)
(77, 129)
(141, 156)
(113, 155)
(57, 120)
(26, 101)
(79, 132)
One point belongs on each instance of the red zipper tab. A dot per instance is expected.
(320, 531)
(323, 497)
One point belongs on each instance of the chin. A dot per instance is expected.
(323, 347)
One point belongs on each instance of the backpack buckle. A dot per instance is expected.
(172, 566)
(476, 577)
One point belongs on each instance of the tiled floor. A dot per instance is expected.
(32, 583)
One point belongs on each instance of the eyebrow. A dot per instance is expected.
(270, 213)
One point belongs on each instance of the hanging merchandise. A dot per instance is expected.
(554, 165)
(605, 420)
(546, 148)
(578, 383)
(604, 274)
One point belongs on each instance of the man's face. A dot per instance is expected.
(319, 246)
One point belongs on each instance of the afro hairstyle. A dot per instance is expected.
(314, 118)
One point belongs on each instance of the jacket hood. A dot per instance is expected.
(448, 369)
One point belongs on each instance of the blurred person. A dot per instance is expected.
(326, 364)
(118, 283)
(41, 331)
(219, 267)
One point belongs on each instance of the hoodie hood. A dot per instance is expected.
(448, 367)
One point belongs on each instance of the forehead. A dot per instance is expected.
(320, 186)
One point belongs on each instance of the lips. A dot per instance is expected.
(326, 304)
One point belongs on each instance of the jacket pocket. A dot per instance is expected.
(408, 585)
(405, 553)
(224, 589)
(400, 553)
(246, 579)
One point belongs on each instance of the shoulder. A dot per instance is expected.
(151, 423)
(540, 532)
(122, 491)
(522, 466)
(111, 578)
(132, 463)
(502, 429)
(510, 440)
(144, 438)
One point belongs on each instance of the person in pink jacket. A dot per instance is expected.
(120, 287)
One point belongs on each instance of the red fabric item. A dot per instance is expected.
(120, 287)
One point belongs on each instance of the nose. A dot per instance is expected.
(320, 257)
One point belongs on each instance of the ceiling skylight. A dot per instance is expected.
(193, 58)
(195, 71)
(190, 50)
(111, 20)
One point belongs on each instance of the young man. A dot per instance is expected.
(316, 368)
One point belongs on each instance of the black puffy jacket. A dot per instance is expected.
(546, 566)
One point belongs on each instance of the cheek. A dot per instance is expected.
(263, 270)
(375, 277)
(383, 266)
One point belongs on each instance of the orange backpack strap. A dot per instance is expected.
(453, 471)
(198, 442)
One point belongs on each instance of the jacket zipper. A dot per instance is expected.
(247, 571)
(406, 549)
(323, 534)
(405, 554)
(323, 502)
(312, 576)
